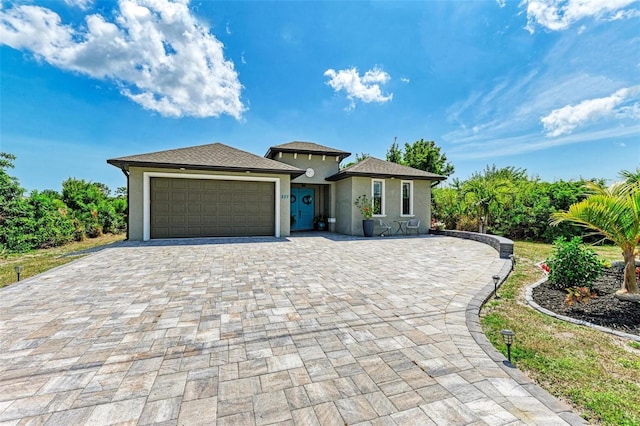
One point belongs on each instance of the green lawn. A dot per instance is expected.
(39, 261)
(595, 372)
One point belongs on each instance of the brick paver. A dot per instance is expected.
(313, 329)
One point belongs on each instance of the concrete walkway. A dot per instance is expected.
(307, 330)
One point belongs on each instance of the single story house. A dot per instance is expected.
(217, 190)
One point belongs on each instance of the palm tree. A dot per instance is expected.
(630, 177)
(613, 212)
(485, 195)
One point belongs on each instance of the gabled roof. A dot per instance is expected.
(305, 148)
(215, 156)
(374, 167)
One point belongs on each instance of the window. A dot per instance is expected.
(407, 198)
(377, 193)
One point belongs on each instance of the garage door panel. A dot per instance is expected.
(178, 209)
(194, 209)
(239, 197)
(203, 207)
(177, 196)
(209, 196)
(194, 184)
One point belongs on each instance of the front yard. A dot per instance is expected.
(38, 261)
(597, 373)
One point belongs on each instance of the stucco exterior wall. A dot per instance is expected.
(349, 218)
(422, 204)
(323, 168)
(136, 196)
(344, 207)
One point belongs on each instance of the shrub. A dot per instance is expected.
(47, 219)
(573, 264)
(467, 223)
(578, 294)
(53, 224)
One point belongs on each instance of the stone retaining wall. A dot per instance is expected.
(503, 246)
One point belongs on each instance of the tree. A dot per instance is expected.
(394, 154)
(614, 213)
(359, 158)
(14, 210)
(485, 194)
(121, 192)
(447, 206)
(631, 177)
(426, 155)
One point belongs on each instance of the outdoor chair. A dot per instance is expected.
(413, 224)
(386, 228)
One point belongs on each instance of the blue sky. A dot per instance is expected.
(547, 85)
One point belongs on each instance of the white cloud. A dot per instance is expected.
(82, 4)
(558, 15)
(156, 51)
(405, 80)
(531, 142)
(501, 3)
(365, 88)
(564, 120)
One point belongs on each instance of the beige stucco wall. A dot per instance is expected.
(136, 196)
(350, 219)
(344, 207)
(323, 168)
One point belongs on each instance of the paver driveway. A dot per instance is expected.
(306, 330)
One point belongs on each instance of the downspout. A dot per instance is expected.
(126, 173)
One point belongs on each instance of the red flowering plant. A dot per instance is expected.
(364, 204)
(545, 267)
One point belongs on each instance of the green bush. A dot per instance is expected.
(53, 224)
(517, 206)
(48, 219)
(573, 264)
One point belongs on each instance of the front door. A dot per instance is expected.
(302, 209)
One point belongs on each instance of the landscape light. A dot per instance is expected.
(496, 278)
(507, 336)
(18, 269)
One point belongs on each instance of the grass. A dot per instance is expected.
(38, 261)
(597, 373)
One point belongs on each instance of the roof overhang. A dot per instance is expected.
(274, 151)
(346, 174)
(124, 165)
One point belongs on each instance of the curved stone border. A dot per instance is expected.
(528, 295)
(504, 246)
(473, 324)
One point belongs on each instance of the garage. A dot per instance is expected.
(188, 208)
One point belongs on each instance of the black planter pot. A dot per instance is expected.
(368, 225)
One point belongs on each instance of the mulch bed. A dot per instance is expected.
(604, 310)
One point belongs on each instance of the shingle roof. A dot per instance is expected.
(305, 148)
(374, 167)
(215, 156)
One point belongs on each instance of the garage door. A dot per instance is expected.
(211, 208)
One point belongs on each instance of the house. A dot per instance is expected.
(217, 190)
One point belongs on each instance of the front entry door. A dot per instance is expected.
(302, 209)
